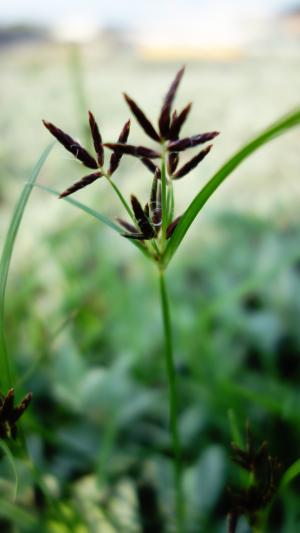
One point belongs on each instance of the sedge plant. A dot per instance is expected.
(154, 228)
(157, 232)
(151, 226)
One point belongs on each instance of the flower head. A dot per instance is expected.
(155, 222)
(265, 476)
(10, 414)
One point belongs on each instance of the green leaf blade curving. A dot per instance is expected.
(6, 374)
(278, 128)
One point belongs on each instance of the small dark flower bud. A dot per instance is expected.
(97, 139)
(124, 133)
(7, 406)
(178, 122)
(135, 236)
(146, 210)
(149, 164)
(164, 119)
(171, 227)
(115, 158)
(190, 142)
(86, 180)
(192, 163)
(71, 145)
(136, 151)
(153, 194)
(172, 162)
(9, 414)
(142, 119)
(155, 202)
(141, 219)
(126, 225)
(19, 409)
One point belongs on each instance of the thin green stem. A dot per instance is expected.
(170, 201)
(120, 196)
(173, 408)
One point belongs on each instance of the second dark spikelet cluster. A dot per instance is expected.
(264, 471)
(10, 414)
(148, 220)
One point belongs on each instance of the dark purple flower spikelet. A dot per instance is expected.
(71, 145)
(83, 182)
(142, 119)
(172, 162)
(10, 414)
(97, 139)
(136, 151)
(155, 202)
(191, 164)
(165, 114)
(190, 142)
(150, 165)
(178, 121)
(126, 225)
(115, 158)
(265, 470)
(171, 227)
(148, 221)
(142, 219)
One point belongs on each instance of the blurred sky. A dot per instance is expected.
(132, 12)
(188, 23)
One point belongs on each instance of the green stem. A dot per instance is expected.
(173, 408)
(121, 197)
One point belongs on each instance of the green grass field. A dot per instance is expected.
(82, 317)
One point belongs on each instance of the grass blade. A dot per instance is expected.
(17, 515)
(5, 365)
(11, 461)
(290, 474)
(89, 210)
(92, 212)
(276, 129)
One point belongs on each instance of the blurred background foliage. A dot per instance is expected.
(83, 323)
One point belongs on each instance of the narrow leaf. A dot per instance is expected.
(5, 365)
(92, 212)
(11, 461)
(290, 474)
(278, 128)
(89, 210)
